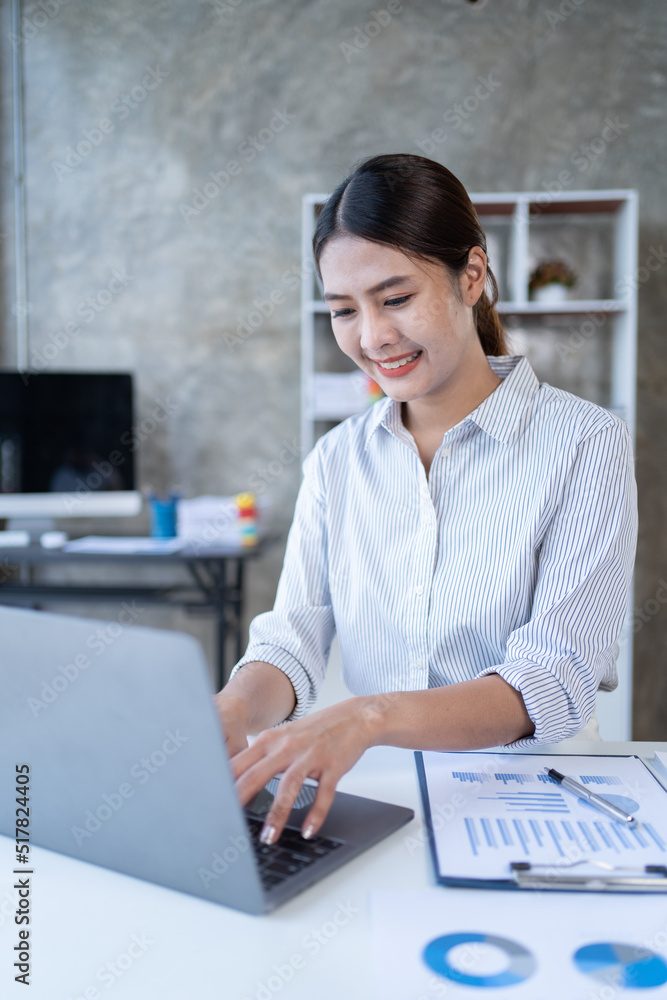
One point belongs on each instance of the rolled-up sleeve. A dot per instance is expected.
(296, 636)
(568, 648)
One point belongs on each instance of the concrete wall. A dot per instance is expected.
(168, 92)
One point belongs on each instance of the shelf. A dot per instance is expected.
(573, 307)
(570, 308)
(583, 205)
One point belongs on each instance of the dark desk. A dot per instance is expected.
(215, 584)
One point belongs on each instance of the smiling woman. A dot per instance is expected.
(470, 538)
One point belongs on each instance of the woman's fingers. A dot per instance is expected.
(288, 789)
(326, 791)
(254, 780)
(247, 758)
(274, 752)
(258, 767)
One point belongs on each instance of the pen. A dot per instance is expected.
(597, 801)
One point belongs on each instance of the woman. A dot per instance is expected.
(470, 538)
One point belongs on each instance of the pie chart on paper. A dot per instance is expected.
(517, 964)
(625, 966)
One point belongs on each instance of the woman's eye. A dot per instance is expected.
(341, 312)
(399, 301)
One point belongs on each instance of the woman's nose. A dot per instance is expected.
(376, 332)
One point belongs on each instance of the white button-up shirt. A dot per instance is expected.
(514, 557)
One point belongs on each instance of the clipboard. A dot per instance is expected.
(497, 821)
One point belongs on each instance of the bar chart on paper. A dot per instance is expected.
(487, 816)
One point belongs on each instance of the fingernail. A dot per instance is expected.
(268, 835)
(309, 831)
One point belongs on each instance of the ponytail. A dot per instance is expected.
(489, 328)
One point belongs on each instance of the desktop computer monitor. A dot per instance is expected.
(67, 445)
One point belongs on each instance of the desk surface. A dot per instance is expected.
(37, 554)
(85, 918)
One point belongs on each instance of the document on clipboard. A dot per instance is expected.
(497, 820)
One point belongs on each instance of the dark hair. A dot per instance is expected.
(417, 206)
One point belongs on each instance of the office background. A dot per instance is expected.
(167, 92)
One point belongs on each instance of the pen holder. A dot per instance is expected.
(163, 517)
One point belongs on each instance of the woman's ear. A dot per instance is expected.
(473, 278)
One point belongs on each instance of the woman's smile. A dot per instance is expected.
(398, 366)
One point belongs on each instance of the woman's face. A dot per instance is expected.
(399, 320)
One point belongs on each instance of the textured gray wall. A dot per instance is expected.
(169, 92)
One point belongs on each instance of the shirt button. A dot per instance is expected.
(446, 452)
(419, 590)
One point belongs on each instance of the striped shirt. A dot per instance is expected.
(513, 557)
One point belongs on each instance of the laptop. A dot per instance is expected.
(128, 767)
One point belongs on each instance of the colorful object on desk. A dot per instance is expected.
(247, 508)
(373, 391)
(163, 516)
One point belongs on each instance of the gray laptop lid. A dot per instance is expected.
(128, 767)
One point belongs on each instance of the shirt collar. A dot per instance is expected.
(385, 413)
(498, 415)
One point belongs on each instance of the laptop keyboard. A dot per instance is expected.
(290, 855)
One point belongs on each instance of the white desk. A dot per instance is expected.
(85, 917)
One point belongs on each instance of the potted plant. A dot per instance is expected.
(550, 281)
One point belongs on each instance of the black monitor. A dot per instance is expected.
(67, 444)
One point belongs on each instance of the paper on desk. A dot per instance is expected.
(452, 943)
(103, 545)
(490, 810)
(14, 539)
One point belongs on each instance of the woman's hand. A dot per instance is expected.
(323, 746)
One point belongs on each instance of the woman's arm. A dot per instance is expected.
(257, 697)
(482, 712)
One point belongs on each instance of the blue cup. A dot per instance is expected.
(163, 517)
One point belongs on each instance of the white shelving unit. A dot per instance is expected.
(587, 344)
